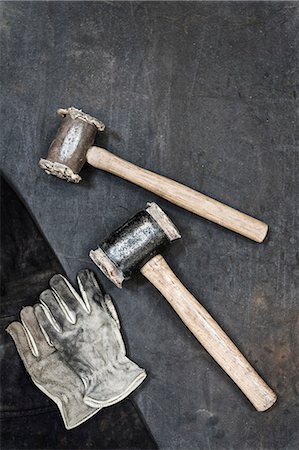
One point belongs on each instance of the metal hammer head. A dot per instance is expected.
(128, 248)
(67, 153)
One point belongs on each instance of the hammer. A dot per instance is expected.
(72, 147)
(136, 246)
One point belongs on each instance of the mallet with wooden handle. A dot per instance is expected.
(72, 147)
(135, 246)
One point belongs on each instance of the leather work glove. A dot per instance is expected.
(49, 371)
(85, 330)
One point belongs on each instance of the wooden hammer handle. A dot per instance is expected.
(179, 194)
(209, 333)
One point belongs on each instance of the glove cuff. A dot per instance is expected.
(115, 384)
(73, 410)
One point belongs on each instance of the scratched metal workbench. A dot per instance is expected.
(204, 93)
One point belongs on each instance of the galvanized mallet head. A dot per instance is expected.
(73, 146)
(136, 246)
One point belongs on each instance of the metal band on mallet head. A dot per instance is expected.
(129, 247)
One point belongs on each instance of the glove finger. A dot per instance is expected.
(18, 334)
(36, 339)
(42, 315)
(111, 309)
(53, 310)
(89, 288)
(69, 300)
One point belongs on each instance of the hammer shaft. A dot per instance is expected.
(209, 333)
(179, 194)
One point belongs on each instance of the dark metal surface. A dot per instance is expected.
(206, 94)
(134, 243)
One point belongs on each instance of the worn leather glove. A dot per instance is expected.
(86, 331)
(49, 371)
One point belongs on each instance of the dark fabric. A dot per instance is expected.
(27, 263)
(116, 427)
(29, 420)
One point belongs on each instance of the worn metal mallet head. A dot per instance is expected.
(67, 153)
(133, 244)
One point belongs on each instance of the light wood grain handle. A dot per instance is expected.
(209, 333)
(179, 194)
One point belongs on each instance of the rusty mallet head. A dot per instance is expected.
(67, 153)
(136, 245)
(133, 244)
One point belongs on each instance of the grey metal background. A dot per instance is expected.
(206, 94)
